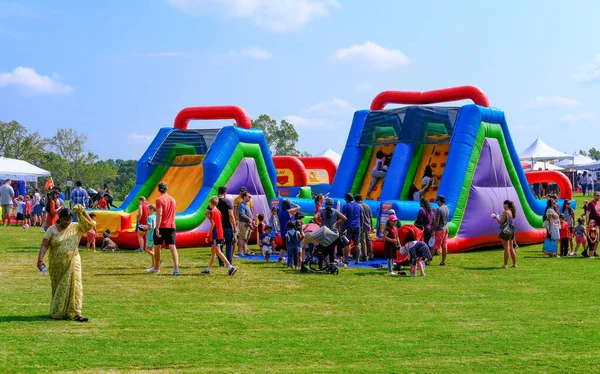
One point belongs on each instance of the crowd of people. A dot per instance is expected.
(33, 208)
(232, 224)
(567, 231)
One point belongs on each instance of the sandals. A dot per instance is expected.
(80, 318)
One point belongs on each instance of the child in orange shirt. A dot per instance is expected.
(565, 235)
(591, 232)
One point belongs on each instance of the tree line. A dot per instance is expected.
(65, 154)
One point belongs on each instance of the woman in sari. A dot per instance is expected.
(62, 242)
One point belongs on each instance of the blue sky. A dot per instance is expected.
(120, 70)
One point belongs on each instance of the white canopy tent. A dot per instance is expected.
(540, 151)
(590, 166)
(20, 170)
(336, 157)
(578, 160)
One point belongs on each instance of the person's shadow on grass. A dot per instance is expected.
(484, 268)
(4, 319)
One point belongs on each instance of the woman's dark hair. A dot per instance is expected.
(379, 154)
(291, 225)
(549, 204)
(318, 197)
(428, 171)
(411, 191)
(511, 207)
(564, 207)
(328, 211)
(285, 205)
(64, 213)
(425, 204)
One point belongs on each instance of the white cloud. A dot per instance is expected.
(552, 101)
(33, 83)
(254, 53)
(588, 72)
(139, 138)
(305, 122)
(574, 118)
(167, 54)
(335, 107)
(273, 15)
(371, 54)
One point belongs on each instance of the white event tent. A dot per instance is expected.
(579, 160)
(336, 157)
(20, 170)
(540, 151)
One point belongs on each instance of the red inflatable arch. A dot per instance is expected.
(322, 163)
(430, 97)
(566, 191)
(294, 165)
(212, 112)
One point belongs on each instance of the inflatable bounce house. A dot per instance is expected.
(194, 163)
(295, 174)
(468, 147)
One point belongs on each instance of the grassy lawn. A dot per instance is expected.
(469, 316)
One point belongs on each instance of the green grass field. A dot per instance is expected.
(469, 316)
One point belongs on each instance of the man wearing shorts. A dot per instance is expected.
(6, 200)
(440, 227)
(164, 235)
(353, 224)
(215, 234)
(228, 221)
(244, 223)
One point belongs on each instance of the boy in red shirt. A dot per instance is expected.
(102, 203)
(565, 235)
(215, 233)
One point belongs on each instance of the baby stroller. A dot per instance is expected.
(316, 260)
(94, 197)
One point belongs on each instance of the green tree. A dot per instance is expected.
(17, 142)
(281, 137)
(594, 153)
(582, 152)
(69, 145)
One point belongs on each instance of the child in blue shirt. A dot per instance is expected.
(267, 242)
(294, 242)
(149, 227)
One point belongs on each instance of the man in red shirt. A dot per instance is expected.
(216, 234)
(166, 207)
(593, 210)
